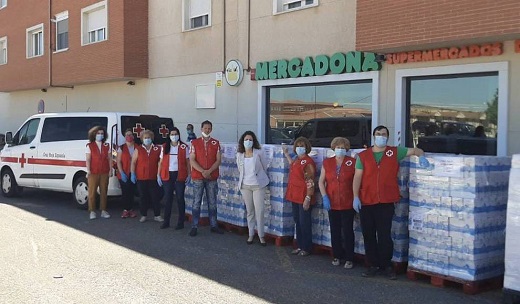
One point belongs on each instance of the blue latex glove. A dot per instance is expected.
(159, 181)
(133, 178)
(356, 204)
(423, 162)
(326, 202)
(124, 177)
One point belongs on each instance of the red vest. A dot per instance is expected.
(205, 158)
(183, 166)
(126, 160)
(379, 182)
(297, 187)
(99, 159)
(339, 187)
(147, 166)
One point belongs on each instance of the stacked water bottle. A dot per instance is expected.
(512, 256)
(457, 215)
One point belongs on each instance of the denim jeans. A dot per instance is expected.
(211, 188)
(170, 186)
(303, 222)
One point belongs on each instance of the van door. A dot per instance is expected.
(160, 126)
(22, 151)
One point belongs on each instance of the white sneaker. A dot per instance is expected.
(105, 214)
(335, 262)
(158, 219)
(92, 215)
(142, 219)
(349, 265)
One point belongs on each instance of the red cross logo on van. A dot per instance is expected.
(22, 160)
(138, 129)
(164, 131)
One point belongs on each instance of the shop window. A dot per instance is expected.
(3, 50)
(3, 3)
(453, 113)
(62, 31)
(197, 14)
(94, 23)
(35, 41)
(320, 112)
(281, 6)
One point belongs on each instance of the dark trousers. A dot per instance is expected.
(342, 233)
(303, 222)
(170, 186)
(127, 194)
(149, 194)
(376, 223)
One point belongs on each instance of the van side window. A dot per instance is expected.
(27, 132)
(307, 130)
(70, 128)
(337, 128)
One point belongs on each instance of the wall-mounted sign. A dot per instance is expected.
(517, 46)
(41, 106)
(339, 63)
(234, 72)
(218, 79)
(491, 49)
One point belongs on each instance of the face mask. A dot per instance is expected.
(248, 144)
(205, 135)
(300, 151)
(174, 138)
(381, 141)
(129, 138)
(340, 151)
(147, 141)
(99, 137)
(189, 131)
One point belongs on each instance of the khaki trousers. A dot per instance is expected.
(95, 181)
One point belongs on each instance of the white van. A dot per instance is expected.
(48, 150)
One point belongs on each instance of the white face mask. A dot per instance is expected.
(99, 137)
(174, 138)
(380, 141)
(248, 144)
(147, 141)
(205, 135)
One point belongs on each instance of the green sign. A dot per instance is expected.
(339, 63)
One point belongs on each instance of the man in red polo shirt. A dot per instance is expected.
(375, 192)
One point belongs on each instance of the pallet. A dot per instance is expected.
(511, 296)
(279, 240)
(203, 221)
(468, 287)
(233, 228)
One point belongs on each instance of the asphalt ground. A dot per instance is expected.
(51, 252)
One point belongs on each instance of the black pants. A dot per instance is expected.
(170, 186)
(127, 194)
(341, 224)
(376, 222)
(149, 192)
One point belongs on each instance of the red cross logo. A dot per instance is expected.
(164, 131)
(138, 129)
(22, 160)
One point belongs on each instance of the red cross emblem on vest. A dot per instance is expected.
(138, 129)
(389, 153)
(164, 131)
(348, 163)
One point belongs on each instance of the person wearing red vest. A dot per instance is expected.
(145, 173)
(99, 169)
(205, 158)
(174, 171)
(376, 191)
(300, 192)
(124, 161)
(336, 177)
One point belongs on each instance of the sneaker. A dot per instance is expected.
(105, 214)
(216, 230)
(349, 265)
(132, 214)
(390, 273)
(335, 262)
(193, 231)
(370, 272)
(92, 215)
(125, 214)
(142, 219)
(304, 253)
(296, 251)
(158, 219)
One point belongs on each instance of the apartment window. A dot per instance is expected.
(3, 50)
(281, 6)
(62, 31)
(94, 23)
(35, 41)
(197, 14)
(3, 3)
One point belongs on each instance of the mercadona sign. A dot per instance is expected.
(339, 63)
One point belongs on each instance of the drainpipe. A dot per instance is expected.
(50, 43)
(224, 37)
(249, 35)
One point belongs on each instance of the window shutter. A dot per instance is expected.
(97, 19)
(199, 8)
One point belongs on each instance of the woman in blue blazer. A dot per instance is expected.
(253, 180)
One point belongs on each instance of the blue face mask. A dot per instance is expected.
(99, 137)
(248, 144)
(300, 151)
(340, 151)
(147, 141)
(380, 141)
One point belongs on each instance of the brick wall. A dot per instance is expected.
(383, 25)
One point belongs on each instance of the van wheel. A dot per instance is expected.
(9, 186)
(81, 192)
